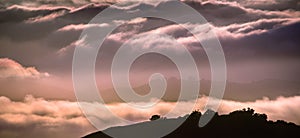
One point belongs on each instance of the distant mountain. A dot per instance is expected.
(238, 124)
(249, 91)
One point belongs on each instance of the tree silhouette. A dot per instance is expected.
(154, 117)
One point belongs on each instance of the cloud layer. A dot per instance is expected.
(38, 117)
(260, 41)
(252, 31)
(12, 69)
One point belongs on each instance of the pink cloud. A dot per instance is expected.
(80, 27)
(12, 69)
(40, 117)
(48, 17)
(32, 8)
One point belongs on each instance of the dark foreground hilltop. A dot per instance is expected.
(238, 124)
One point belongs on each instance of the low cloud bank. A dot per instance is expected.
(39, 117)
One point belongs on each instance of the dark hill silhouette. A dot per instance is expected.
(238, 124)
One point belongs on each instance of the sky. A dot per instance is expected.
(260, 40)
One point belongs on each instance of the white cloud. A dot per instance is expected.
(12, 69)
(80, 27)
(48, 17)
(39, 117)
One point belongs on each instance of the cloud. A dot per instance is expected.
(281, 108)
(12, 69)
(36, 3)
(258, 44)
(45, 20)
(161, 43)
(48, 17)
(261, 4)
(39, 117)
(23, 13)
(82, 26)
(260, 40)
(242, 36)
(224, 13)
(263, 24)
(270, 4)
